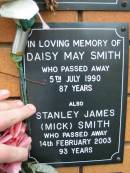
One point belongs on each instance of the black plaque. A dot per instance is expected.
(79, 86)
(89, 4)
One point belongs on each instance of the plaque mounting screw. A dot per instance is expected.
(123, 29)
(118, 159)
(124, 3)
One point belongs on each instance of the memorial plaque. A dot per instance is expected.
(77, 78)
(89, 4)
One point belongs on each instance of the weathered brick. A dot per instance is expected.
(10, 83)
(106, 16)
(60, 16)
(7, 30)
(9, 67)
(68, 170)
(8, 26)
(127, 134)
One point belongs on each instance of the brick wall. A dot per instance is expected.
(7, 32)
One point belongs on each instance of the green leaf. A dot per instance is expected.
(27, 24)
(16, 58)
(41, 168)
(25, 168)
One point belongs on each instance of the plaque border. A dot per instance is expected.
(116, 5)
(103, 27)
(79, 2)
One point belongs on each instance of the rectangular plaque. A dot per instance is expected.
(77, 78)
(89, 4)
